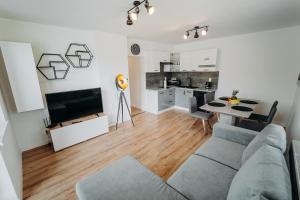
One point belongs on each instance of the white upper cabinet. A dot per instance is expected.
(186, 61)
(198, 60)
(153, 59)
(205, 57)
(21, 75)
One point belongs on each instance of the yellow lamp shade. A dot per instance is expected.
(121, 82)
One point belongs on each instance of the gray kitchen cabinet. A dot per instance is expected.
(188, 94)
(182, 97)
(162, 100)
(171, 97)
(166, 99)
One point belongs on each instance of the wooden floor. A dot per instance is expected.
(136, 111)
(160, 142)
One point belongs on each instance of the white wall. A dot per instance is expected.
(294, 123)
(146, 45)
(11, 181)
(263, 66)
(110, 58)
(137, 66)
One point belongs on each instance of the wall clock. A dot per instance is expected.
(135, 49)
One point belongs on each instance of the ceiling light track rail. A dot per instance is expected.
(132, 13)
(203, 29)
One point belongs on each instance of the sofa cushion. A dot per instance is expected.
(273, 135)
(125, 179)
(200, 178)
(222, 151)
(264, 176)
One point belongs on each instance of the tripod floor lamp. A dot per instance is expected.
(122, 84)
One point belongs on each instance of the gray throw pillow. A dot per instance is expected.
(264, 176)
(273, 135)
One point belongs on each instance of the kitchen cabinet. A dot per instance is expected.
(159, 100)
(182, 96)
(153, 59)
(188, 94)
(205, 57)
(186, 61)
(198, 60)
(19, 77)
(166, 99)
(175, 60)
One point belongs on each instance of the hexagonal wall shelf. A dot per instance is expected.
(79, 55)
(53, 66)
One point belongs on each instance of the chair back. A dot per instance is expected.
(271, 115)
(192, 104)
(274, 104)
(209, 97)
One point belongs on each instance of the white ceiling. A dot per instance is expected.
(168, 24)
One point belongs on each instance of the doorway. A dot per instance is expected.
(137, 84)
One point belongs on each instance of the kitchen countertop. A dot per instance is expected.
(196, 89)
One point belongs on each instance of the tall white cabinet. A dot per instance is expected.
(19, 76)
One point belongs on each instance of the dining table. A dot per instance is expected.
(231, 113)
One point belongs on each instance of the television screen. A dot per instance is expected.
(64, 106)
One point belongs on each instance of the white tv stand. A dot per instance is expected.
(79, 130)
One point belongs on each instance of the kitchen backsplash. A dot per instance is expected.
(154, 80)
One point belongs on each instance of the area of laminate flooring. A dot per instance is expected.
(136, 111)
(160, 142)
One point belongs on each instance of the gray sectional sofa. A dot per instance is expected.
(234, 164)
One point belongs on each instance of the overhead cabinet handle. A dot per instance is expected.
(206, 59)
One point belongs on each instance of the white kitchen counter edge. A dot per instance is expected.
(196, 89)
(3, 126)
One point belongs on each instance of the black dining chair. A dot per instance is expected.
(264, 118)
(258, 122)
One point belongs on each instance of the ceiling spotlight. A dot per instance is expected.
(150, 9)
(196, 34)
(133, 16)
(134, 11)
(185, 36)
(203, 29)
(129, 21)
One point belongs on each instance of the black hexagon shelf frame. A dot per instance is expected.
(81, 53)
(51, 66)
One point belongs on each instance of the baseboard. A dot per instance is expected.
(181, 108)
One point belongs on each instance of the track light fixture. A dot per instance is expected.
(135, 10)
(203, 29)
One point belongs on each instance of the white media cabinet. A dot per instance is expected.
(76, 131)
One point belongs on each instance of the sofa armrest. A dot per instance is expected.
(233, 133)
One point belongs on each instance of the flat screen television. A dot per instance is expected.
(64, 106)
